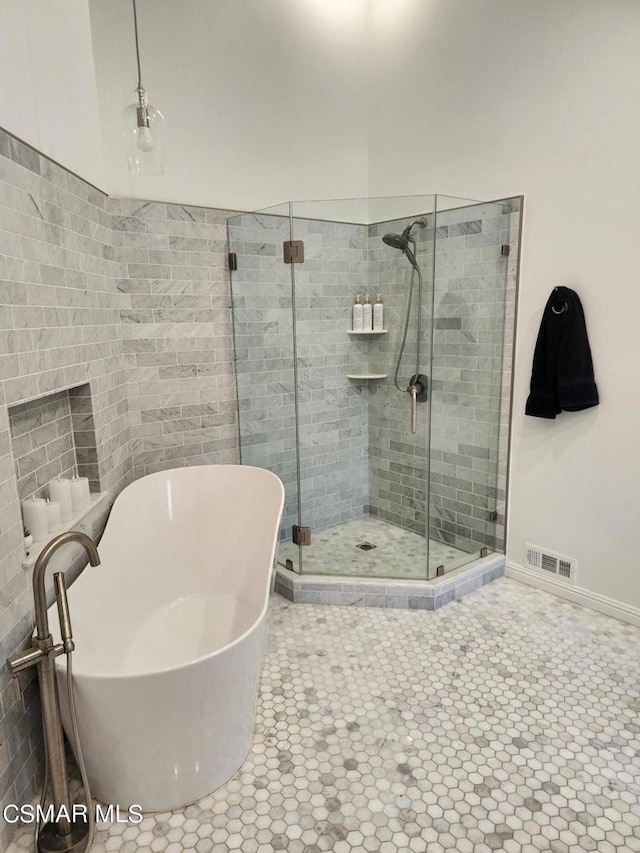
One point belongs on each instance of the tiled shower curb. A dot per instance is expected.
(408, 594)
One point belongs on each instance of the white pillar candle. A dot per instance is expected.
(60, 491)
(79, 493)
(54, 521)
(34, 513)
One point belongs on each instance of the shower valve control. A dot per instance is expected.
(418, 389)
(420, 383)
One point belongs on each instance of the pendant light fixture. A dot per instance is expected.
(143, 126)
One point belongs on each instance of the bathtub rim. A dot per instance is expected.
(83, 674)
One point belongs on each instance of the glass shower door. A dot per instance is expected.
(261, 295)
(332, 409)
(363, 473)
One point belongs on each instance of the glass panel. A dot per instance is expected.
(261, 296)
(363, 473)
(474, 299)
(367, 211)
(399, 457)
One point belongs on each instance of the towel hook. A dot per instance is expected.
(564, 304)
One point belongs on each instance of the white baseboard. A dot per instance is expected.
(576, 594)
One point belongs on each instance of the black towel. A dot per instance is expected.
(562, 375)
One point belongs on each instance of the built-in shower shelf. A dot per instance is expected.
(367, 375)
(367, 332)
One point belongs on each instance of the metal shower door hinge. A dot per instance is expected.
(293, 251)
(484, 552)
(232, 260)
(301, 535)
(505, 249)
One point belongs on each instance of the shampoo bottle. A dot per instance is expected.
(378, 314)
(367, 314)
(358, 323)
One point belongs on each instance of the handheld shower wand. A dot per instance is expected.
(417, 388)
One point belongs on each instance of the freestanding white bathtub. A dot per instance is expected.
(168, 633)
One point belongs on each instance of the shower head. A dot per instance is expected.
(396, 241)
(402, 241)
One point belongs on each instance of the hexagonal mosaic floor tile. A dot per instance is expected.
(507, 721)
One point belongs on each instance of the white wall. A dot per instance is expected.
(48, 94)
(501, 97)
(264, 100)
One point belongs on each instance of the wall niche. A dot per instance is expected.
(54, 435)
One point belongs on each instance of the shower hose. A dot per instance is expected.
(406, 326)
(80, 759)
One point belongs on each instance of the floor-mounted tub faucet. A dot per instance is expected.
(61, 836)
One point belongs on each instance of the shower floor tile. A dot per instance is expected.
(508, 721)
(398, 553)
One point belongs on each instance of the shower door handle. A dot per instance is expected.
(413, 390)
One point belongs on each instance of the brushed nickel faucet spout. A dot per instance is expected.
(39, 593)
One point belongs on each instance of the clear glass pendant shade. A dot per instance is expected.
(144, 134)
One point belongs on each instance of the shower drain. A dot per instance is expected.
(366, 546)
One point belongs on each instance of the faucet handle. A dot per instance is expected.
(18, 663)
(25, 660)
(63, 612)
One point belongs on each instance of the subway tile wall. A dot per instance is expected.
(42, 442)
(357, 452)
(464, 455)
(332, 410)
(59, 328)
(52, 436)
(398, 462)
(474, 307)
(177, 332)
(115, 332)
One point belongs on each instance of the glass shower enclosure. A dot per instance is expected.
(392, 444)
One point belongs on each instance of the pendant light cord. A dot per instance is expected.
(135, 27)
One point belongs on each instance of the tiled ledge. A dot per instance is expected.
(409, 594)
(79, 521)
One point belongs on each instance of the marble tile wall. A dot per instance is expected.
(42, 442)
(398, 459)
(59, 328)
(357, 452)
(471, 373)
(115, 332)
(332, 419)
(177, 332)
(54, 436)
(333, 410)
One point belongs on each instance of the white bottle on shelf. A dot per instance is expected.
(358, 315)
(378, 314)
(367, 314)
